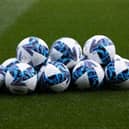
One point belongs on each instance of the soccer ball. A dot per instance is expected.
(21, 78)
(100, 49)
(88, 74)
(2, 75)
(117, 74)
(55, 76)
(67, 51)
(33, 51)
(9, 62)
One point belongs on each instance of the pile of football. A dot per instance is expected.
(65, 65)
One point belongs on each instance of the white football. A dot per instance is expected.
(88, 74)
(100, 49)
(21, 78)
(33, 51)
(67, 51)
(55, 76)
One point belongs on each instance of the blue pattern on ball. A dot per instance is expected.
(116, 78)
(111, 71)
(10, 65)
(78, 72)
(33, 45)
(100, 47)
(67, 53)
(87, 67)
(20, 76)
(104, 42)
(56, 78)
(103, 54)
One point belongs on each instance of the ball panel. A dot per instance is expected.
(99, 48)
(94, 56)
(33, 51)
(119, 66)
(50, 70)
(38, 59)
(84, 82)
(31, 86)
(55, 54)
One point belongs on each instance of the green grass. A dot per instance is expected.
(81, 110)
(52, 19)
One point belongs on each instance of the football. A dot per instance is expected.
(67, 51)
(33, 51)
(88, 74)
(21, 78)
(100, 49)
(117, 74)
(55, 76)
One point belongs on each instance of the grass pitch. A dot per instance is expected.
(52, 19)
